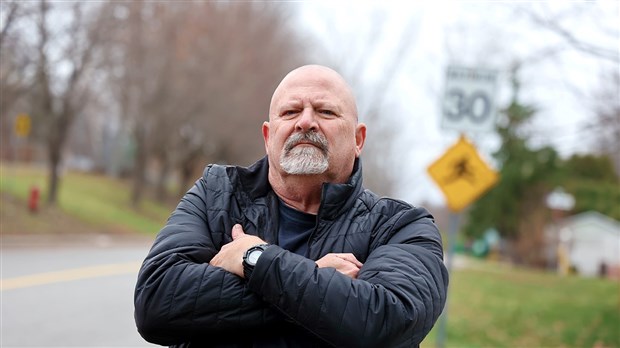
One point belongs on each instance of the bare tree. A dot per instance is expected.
(249, 49)
(558, 22)
(599, 42)
(135, 94)
(59, 98)
(195, 82)
(10, 10)
(15, 61)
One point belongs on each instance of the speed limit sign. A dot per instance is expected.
(469, 99)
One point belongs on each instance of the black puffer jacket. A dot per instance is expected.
(288, 302)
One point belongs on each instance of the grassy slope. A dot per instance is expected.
(98, 201)
(494, 305)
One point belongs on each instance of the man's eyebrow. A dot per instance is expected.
(327, 104)
(289, 103)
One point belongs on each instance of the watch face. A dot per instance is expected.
(253, 256)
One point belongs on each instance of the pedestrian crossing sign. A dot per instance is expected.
(462, 175)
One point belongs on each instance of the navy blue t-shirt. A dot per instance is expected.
(293, 235)
(295, 229)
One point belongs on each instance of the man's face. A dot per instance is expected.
(312, 128)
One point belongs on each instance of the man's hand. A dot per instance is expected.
(230, 257)
(346, 264)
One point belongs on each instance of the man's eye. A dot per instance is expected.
(327, 112)
(289, 112)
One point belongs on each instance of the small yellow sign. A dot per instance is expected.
(462, 175)
(22, 125)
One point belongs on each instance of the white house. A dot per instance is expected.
(590, 242)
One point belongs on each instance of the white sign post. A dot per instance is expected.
(469, 99)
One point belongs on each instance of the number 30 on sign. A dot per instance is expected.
(469, 99)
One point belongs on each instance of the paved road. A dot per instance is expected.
(74, 292)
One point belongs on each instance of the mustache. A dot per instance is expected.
(311, 137)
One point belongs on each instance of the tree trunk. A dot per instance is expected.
(160, 191)
(187, 168)
(54, 176)
(139, 169)
(57, 138)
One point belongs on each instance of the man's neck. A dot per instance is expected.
(302, 192)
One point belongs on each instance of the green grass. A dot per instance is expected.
(95, 199)
(493, 305)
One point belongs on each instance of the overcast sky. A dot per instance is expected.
(477, 34)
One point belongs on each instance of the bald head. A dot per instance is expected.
(318, 75)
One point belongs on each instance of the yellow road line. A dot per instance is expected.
(69, 275)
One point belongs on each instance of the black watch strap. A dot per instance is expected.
(248, 265)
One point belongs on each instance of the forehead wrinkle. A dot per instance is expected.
(288, 103)
(297, 102)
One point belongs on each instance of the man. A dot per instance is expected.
(292, 251)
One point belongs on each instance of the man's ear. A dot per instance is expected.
(360, 138)
(266, 135)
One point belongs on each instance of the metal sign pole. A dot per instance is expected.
(462, 175)
(452, 233)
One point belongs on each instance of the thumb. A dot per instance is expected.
(237, 231)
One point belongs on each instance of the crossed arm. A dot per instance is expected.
(230, 256)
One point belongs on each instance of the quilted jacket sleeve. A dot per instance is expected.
(179, 295)
(396, 299)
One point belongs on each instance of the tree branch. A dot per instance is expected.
(554, 26)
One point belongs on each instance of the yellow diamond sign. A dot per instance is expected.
(462, 175)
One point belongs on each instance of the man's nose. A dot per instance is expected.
(307, 121)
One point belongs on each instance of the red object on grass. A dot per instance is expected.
(33, 199)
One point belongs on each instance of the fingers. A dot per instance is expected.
(237, 232)
(346, 264)
(328, 259)
(351, 258)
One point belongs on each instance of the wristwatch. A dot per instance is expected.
(251, 257)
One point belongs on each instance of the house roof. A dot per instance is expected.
(592, 218)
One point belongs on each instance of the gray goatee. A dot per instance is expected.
(305, 160)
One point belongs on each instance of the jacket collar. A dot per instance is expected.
(335, 198)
